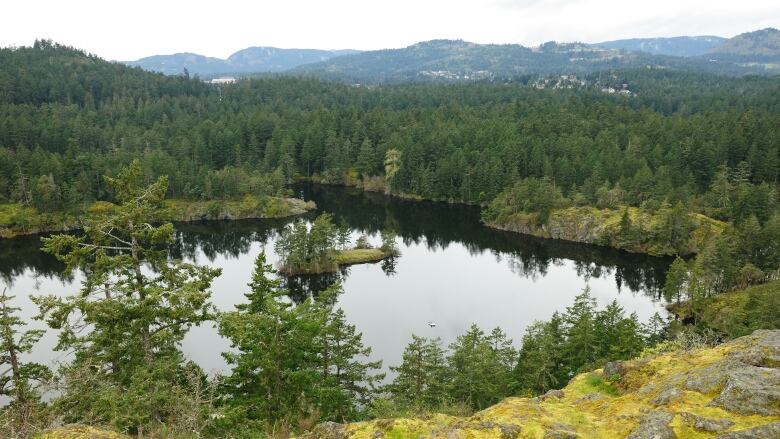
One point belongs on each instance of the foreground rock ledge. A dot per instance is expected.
(729, 391)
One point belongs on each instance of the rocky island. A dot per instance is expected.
(323, 247)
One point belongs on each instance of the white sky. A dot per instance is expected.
(127, 30)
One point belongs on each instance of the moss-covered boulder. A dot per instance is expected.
(727, 391)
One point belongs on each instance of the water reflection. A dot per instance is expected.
(439, 225)
(434, 225)
(452, 270)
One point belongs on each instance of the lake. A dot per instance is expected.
(452, 271)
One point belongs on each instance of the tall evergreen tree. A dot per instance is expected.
(126, 324)
(422, 378)
(20, 380)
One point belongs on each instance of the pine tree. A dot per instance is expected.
(366, 158)
(125, 326)
(273, 369)
(422, 378)
(392, 165)
(293, 361)
(481, 367)
(20, 379)
(676, 280)
(540, 359)
(582, 341)
(348, 384)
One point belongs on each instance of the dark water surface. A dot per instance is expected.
(452, 271)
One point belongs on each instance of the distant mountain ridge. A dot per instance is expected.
(755, 52)
(673, 46)
(250, 60)
(453, 60)
(760, 44)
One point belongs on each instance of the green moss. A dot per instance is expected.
(614, 415)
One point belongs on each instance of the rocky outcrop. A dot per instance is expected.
(590, 225)
(729, 391)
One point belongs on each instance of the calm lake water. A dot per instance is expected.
(452, 271)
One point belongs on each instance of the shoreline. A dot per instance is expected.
(179, 211)
(592, 226)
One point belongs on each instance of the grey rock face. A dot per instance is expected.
(614, 368)
(550, 394)
(751, 390)
(707, 380)
(666, 396)
(655, 425)
(706, 424)
(509, 431)
(768, 431)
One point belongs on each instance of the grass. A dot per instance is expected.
(360, 256)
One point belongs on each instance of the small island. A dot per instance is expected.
(324, 247)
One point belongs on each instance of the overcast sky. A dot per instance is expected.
(127, 30)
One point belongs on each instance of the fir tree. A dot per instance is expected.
(126, 324)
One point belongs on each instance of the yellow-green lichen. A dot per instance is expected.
(593, 406)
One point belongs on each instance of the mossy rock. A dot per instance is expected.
(80, 432)
(652, 398)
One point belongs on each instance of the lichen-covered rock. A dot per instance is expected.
(614, 368)
(706, 424)
(550, 394)
(561, 431)
(707, 380)
(768, 431)
(667, 396)
(80, 432)
(751, 390)
(728, 390)
(509, 431)
(654, 425)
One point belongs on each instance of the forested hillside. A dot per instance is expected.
(680, 144)
(685, 164)
(71, 117)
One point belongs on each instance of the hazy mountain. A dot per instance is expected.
(674, 46)
(461, 60)
(176, 63)
(249, 60)
(455, 60)
(762, 44)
